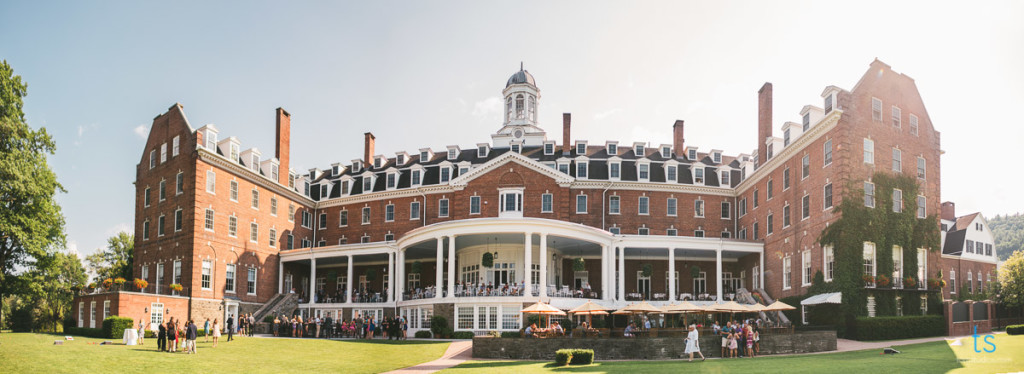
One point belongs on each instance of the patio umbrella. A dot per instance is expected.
(757, 307)
(643, 307)
(684, 307)
(730, 306)
(589, 309)
(777, 306)
(542, 308)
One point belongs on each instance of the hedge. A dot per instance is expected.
(114, 326)
(84, 331)
(438, 326)
(886, 328)
(423, 334)
(463, 335)
(574, 356)
(511, 334)
(1015, 330)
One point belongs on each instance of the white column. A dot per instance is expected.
(761, 273)
(280, 275)
(718, 273)
(604, 272)
(348, 282)
(440, 268)
(451, 266)
(544, 265)
(672, 274)
(391, 277)
(528, 251)
(621, 252)
(312, 280)
(399, 274)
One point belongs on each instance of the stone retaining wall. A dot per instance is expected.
(644, 348)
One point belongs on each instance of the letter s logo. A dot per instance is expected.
(990, 343)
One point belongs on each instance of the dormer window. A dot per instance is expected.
(446, 174)
(666, 152)
(367, 183)
(400, 159)
(691, 154)
(211, 140)
(807, 121)
(344, 187)
(614, 170)
(357, 166)
(581, 148)
(785, 138)
(698, 175)
(415, 177)
(563, 167)
(644, 171)
(335, 170)
(724, 179)
(828, 104)
(613, 149)
(638, 150)
(671, 173)
(771, 150)
(481, 150)
(234, 152)
(516, 148)
(549, 148)
(312, 174)
(452, 153)
(581, 169)
(377, 162)
(255, 162)
(392, 180)
(291, 179)
(424, 156)
(323, 191)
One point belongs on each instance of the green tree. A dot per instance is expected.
(31, 223)
(115, 260)
(50, 287)
(1011, 280)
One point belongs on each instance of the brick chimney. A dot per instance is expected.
(764, 121)
(949, 211)
(677, 137)
(566, 140)
(284, 138)
(368, 149)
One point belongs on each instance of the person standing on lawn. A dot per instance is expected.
(216, 332)
(206, 330)
(191, 332)
(142, 333)
(693, 343)
(231, 326)
(252, 324)
(161, 338)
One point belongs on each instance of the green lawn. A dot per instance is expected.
(935, 357)
(35, 353)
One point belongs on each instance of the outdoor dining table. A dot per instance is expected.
(131, 337)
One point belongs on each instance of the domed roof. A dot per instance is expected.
(520, 77)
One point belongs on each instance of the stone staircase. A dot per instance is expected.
(744, 297)
(282, 303)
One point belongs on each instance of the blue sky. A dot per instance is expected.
(430, 74)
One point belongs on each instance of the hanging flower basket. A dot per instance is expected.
(940, 274)
(371, 275)
(417, 267)
(119, 282)
(579, 264)
(488, 260)
(91, 286)
(333, 274)
(909, 282)
(107, 283)
(883, 280)
(647, 270)
(936, 283)
(176, 287)
(868, 278)
(695, 271)
(141, 284)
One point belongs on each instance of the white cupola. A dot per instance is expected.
(521, 103)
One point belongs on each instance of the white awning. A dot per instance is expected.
(825, 298)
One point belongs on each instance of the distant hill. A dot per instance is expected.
(1009, 233)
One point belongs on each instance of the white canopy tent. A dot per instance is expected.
(825, 298)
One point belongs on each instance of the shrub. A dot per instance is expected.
(1015, 330)
(113, 326)
(21, 319)
(423, 334)
(562, 357)
(510, 334)
(84, 331)
(437, 325)
(582, 357)
(886, 328)
(463, 335)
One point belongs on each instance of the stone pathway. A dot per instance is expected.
(458, 352)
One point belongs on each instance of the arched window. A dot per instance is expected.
(508, 109)
(533, 108)
(519, 106)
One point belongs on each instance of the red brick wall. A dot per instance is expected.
(961, 267)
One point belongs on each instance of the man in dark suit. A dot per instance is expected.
(161, 338)
(231, 326)
(329, 327)
(191, 333)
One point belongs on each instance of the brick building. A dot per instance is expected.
(968, 258)
(475, 232)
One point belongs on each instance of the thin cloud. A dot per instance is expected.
(489, 108)
(606, 114)
(142, 131)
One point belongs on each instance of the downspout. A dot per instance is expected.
(735, 218)
(603, 211)
(423, 207)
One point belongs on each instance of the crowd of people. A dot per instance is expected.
(739, 339)
(174, 335)
(359, 327)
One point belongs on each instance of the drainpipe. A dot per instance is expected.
(423, 207)
(603, 211)
(735, 218)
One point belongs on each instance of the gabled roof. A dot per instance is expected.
(965, 221)
(461, 181)
(954, 242)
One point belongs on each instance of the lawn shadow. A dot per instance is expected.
(496, 364)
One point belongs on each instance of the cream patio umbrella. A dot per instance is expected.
(542, 308)
(589, 309)
(684, 307)
(778, 306)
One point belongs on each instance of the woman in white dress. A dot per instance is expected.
(693, 344)
(216, 332)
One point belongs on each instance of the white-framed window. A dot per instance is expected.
(474, 205)
(698, 233)
(922, 207)
(897, 160)
(921, 171)
(343, 218)
(106, 306)
(233, 191)
(771, 224)
(175, 145)
(756, 271)
(671, 207)
(581, 169)
(922, 266)
(724, 179)
(785, 216)
(92, 314)
(952, 281)
(209, 220)
(160, 225)
(913, 124)
(805, 207)
(581, 204)
(251, 281)
(207, 274)
(414, 211)
(614, 230)
(827, 150)
(442, 208)
(869, 194)
(644, 172)
(830, 262)
(897, 266)
(511, 202)
(389, 213)
(614, 170)
(787, 273)
(145, 230)
(163, 156)
(255, 198)
(179, 183)
(614, 204)
(869, 151)
(81, 314)
(897, 201)
(366, 215)
(152, 159)
(211, 182)
(726, 210)
(229, 278)
(145, 197)
(549, 148)
(896, 115)
(643, 231)
(827, 200)
(415, 178)
(876, 110)
(254, 231)
(869, 261)
(546, 203)
(644, 206)
(700, 284)
(163, 190)
(698, 175)
(446, 173)
(698, 208)
(581, 148)
(806, 262)
(770, 190)
(691, 154)
(273, 237)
